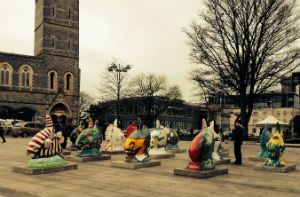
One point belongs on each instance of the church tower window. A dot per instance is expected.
(52, 80)
(69, 78)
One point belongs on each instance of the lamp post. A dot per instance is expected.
(118, 68)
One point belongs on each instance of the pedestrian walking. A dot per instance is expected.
(1, 134)
(237, 135)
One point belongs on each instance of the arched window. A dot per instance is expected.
(25, 76)
(5, 74)
(52, 80)
(68, 82)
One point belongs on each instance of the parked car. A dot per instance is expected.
(25, 129)
(6, 127)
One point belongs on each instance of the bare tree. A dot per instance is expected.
(155, 93)
(244, 48)
(85, 101)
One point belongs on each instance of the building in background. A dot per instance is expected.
(284, 106)
(48, 82)
(179, 114)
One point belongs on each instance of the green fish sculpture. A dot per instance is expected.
(89, 142)
(264, 139)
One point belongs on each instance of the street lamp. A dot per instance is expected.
(118, 68)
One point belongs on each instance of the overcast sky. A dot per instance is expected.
(144, 33)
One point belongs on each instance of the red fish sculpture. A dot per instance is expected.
(201, 150)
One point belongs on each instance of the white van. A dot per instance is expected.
(5, 126)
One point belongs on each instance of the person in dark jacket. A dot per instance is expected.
(1, 134)
(237, 135)
(59, 126)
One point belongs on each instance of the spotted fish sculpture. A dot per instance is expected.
(201, 150)
(45, 148)
(275, 148)
(264, 139)
(158, 139)
(131, 128)
(217, 146)
(114, 138)
(137, 145)
(75, 133)
(89, 142)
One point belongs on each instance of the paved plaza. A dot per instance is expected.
(98, 178)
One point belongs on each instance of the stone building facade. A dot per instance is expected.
(49, 81)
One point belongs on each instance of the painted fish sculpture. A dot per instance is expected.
(75, 133)
(137, 145)
(275, 148)
(217, 145)
(158, 139)
(131, 128)
(45, 147)
(172, 140)
(201, 150)
(264, 139)
(89, 142)
(114, 138)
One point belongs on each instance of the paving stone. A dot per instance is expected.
(224, 161)
(162, 156)
(200, 173)
(87, 159)
(123, 164)
(256, 159)
(34, 171)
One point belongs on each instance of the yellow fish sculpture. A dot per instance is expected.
(275, 148)
(137, 144)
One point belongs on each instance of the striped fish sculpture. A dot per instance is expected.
(201, 150)
(89, 142)
(75, 133)
(45, 147)
(137, 144)
(275, 148)
(264, 139)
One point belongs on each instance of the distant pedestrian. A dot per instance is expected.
(237, 135)
(1, 134)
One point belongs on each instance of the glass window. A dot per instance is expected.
(5, 74)
(25, 77)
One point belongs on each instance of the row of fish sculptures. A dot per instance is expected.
(272, 147)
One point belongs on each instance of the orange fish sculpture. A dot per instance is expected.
(137, 145)
(201, 150)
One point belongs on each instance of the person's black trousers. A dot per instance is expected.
(237, 153)
(3, 138)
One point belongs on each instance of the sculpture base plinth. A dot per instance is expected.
(257, 159)
(113, 152)
(200, 173)
(162, 156)
(224, 154)
(123, 164)
(176, 150)
(73, 148)
(34, 171)
(224, 161)
(67, 152)
(276, 169)
(87, 159)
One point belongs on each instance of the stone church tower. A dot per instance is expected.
(49, 81)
